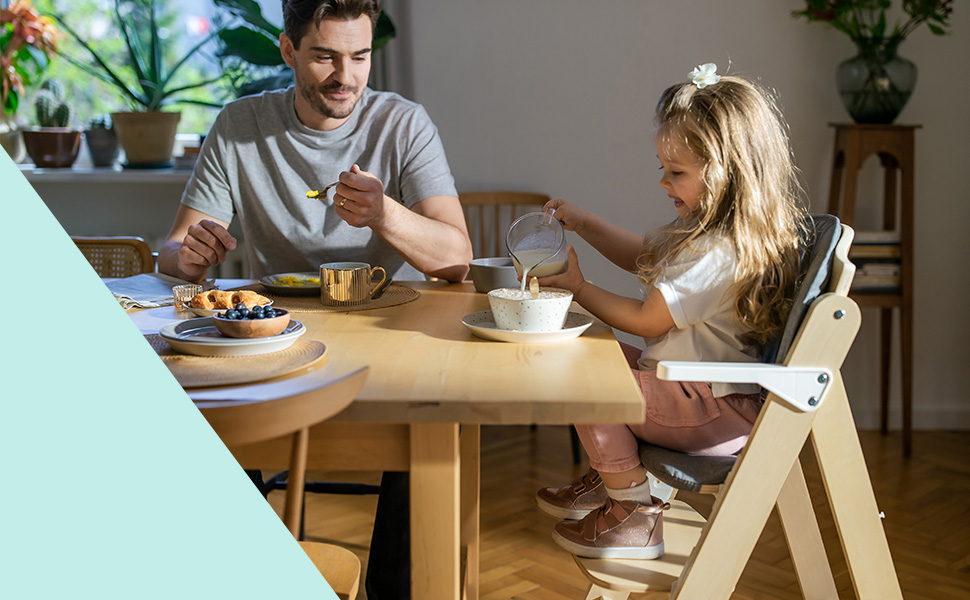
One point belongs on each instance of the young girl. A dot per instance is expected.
(717, 283)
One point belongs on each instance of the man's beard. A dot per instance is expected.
(314, 97)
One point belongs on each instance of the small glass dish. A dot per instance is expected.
(183, 293)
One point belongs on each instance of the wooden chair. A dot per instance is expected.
(489, 214)
(116, 256)
(339, 566)
(240, 420)
(709, 542)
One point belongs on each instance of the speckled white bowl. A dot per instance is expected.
(515, 310)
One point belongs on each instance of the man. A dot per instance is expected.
(395, 205)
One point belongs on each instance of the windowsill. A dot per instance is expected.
(116, 174)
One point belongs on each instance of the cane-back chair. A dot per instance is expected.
(116, 256)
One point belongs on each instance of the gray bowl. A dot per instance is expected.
(491, 273)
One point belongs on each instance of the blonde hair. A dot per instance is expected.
(753, 197)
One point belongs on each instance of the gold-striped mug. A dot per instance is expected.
(349, 283)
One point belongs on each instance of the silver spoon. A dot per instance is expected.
(323, 192)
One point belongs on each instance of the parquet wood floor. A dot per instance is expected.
(926, 501)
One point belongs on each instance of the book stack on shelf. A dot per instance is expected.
(876, 255)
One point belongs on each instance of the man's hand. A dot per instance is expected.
(359, 198)
(205, 245)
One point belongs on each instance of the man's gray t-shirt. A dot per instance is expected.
(259, 160)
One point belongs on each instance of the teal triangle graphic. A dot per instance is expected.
(114, 485)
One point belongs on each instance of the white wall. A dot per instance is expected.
(557, 96)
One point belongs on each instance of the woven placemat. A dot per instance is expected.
(201, 371)
(392, 296)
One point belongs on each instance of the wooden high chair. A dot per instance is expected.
(707, 546)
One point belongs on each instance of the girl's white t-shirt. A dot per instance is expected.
(697, 287)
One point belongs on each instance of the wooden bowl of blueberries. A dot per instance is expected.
(260, 321)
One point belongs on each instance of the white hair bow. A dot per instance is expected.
(704, 75)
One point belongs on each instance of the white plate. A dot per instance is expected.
(482, 324)
(200, 337)
(208, 312)
(270, 282)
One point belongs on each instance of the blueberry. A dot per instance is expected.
(243, 312)
(269, 313)
(239, 306)
(258, 308)
(232, 313)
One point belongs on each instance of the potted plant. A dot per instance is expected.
(250, 47)
(146, 82)
(102, 141)
(27, 43)
(53, 144)
(875, 85)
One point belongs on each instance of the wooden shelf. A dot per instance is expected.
(104, 175)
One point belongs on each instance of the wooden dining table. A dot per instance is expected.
(432, 384)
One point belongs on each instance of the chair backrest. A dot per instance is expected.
(243, 422)
(489, 215)
(818, 252)
(339, 566)
(116, 256)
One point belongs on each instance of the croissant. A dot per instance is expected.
(219, 299)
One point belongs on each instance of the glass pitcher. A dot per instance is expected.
(537, 243)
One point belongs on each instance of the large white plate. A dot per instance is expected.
(200, 337)
(271, 282)
(208, 312)
(482, 324)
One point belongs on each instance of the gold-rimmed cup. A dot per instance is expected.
(349, 283)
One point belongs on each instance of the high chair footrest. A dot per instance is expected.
(682, 530)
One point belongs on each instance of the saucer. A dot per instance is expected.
(482, 325)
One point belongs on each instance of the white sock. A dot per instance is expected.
(640, 493)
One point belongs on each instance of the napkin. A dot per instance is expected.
(148, 290)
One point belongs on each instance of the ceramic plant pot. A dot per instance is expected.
(52, 147)
(103, 146)
(147, 137)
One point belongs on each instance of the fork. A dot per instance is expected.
(323, 192)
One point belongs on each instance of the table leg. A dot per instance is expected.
(470, 505)
(435, 509)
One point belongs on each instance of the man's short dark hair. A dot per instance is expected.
(298, 15)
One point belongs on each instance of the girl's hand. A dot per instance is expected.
(571, 279)
(571, 216)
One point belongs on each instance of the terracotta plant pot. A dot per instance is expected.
(147, 137)
(103, 146)
(52, 147)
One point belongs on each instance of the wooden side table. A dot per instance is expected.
(894, 144)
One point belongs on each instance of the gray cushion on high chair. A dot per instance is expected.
(691, 471)
(685, 471)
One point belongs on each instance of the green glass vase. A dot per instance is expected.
(875, 84)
